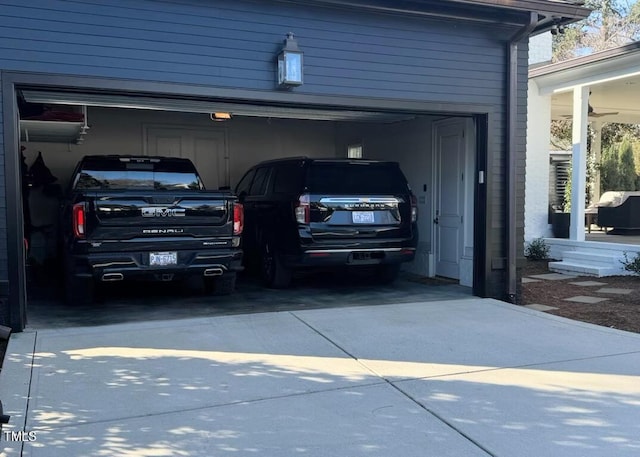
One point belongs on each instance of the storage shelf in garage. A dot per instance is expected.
(52, 131)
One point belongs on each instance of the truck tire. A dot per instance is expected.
(275, 274)
(78, 291)
(388, 273)
(221, 285)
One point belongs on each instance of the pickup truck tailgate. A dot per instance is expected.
(147, 215)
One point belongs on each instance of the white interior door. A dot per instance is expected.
(449, 156)
(207, 149)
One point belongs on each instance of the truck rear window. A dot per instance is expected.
(356, 178)
(131, 175)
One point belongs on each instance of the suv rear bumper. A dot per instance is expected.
(352, 256)
(135, 265)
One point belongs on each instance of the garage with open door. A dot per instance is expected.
(394, 85)
(222, 151)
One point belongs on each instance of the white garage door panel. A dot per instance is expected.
(210, 159)
(167, 146)
(207, 149)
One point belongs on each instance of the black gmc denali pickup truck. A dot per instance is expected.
(149, 218)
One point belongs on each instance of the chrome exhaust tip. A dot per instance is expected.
(112, 277)
(213, 272)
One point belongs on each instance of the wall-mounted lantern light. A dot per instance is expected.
(290, 64)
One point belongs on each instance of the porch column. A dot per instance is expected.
(579, 162)
(596, 148)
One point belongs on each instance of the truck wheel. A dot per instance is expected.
(274, 273)
(388, 273)
(221, 285)
(78, 291)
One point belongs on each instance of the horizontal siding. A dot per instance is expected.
(233, 44)
(4, 266)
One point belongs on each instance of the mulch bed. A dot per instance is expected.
(619, 311)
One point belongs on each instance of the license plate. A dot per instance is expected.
(362, 217)
(163, 258)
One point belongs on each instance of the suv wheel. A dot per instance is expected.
(274, 273)
(221, 285)
(388, 273)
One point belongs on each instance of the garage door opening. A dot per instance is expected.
(437, 153)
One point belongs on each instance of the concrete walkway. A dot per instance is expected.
(471, 377)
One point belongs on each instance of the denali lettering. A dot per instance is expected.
(162, 231)
(162, 212)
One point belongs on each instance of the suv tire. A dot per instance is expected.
(274, 273)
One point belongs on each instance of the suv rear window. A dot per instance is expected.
(149, 175)
(356, 178)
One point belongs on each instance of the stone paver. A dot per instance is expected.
(539, 307)
(528, 280)
(553, 276)
(614, 290)
(588, 283)
(586, 299)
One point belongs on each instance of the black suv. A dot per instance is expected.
(304, 212)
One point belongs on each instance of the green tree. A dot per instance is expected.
(626, 166)
(609, 179)
(618, 168)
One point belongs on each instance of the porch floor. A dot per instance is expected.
(602, 237)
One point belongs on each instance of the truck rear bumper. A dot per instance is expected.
(138, 265)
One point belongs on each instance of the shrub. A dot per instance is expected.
(537, 249)
(632, 265)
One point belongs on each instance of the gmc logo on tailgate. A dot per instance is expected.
(162, 212)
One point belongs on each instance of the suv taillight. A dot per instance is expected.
(303, 210)
(414, 208)
(79, 220)
(238, 218)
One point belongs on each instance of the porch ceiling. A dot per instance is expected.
(612, 101)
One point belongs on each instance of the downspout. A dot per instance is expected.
(512, 101)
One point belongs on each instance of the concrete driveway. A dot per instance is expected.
(468, 377)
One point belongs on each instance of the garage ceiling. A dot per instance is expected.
(206, 106)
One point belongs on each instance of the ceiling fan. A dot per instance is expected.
(591, 112)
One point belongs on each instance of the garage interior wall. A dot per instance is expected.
(249, 140)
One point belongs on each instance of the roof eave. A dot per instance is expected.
(550, 12)
(572, 64)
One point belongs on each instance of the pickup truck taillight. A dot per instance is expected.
(414, 208)
(79, 220)
(238, 218)
(303, 213)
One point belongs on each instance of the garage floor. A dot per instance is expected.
(139, 302)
